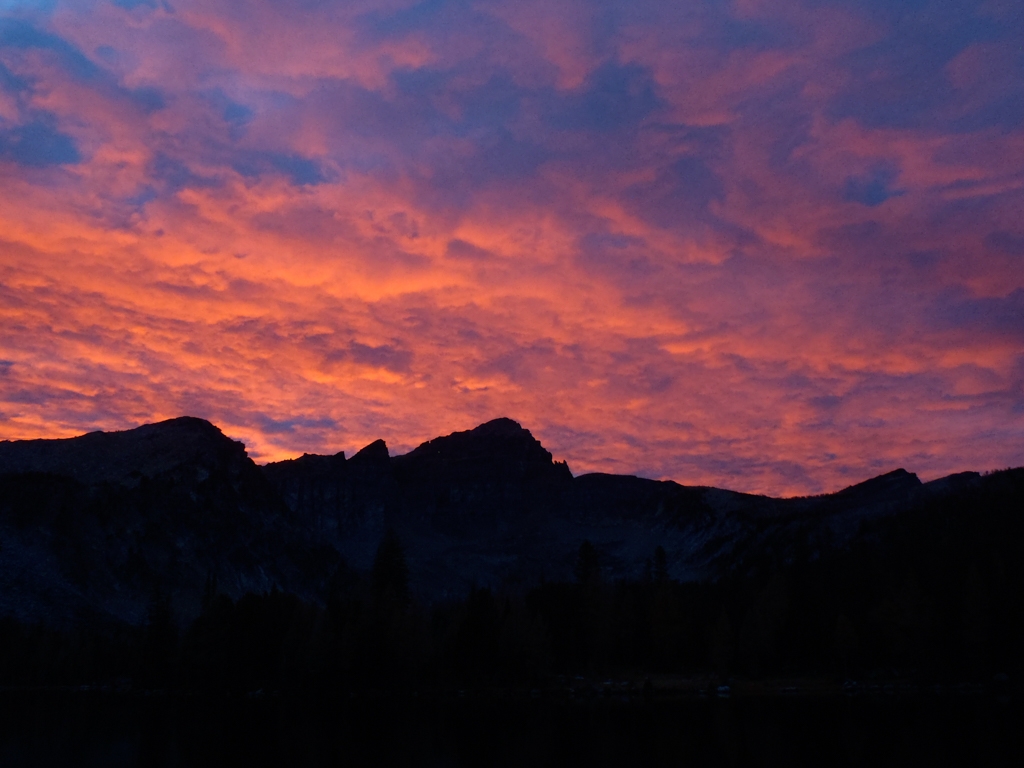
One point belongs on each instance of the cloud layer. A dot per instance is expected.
(776, 247)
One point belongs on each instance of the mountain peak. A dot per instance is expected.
(375, 451)
(881, 489)
(498, 439)
(898, 478)
(501, 427)
(122, 456)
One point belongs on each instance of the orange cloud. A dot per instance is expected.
(747, 248)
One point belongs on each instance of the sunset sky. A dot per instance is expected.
(775, 246)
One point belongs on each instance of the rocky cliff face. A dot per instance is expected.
(490, 506)
(469, 507)
(166, 449)
(101, 526)
(495, 476)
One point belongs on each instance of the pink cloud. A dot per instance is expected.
(675, 241)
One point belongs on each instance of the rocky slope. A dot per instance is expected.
(103, 526)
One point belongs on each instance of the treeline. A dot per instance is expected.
(936, 593)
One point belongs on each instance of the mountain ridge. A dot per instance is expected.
(105, 521)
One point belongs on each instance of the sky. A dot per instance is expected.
(769, 245)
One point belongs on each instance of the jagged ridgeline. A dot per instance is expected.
(102, 526)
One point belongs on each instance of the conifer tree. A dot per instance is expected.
(588, 569)
(390, 572)
(660, 565)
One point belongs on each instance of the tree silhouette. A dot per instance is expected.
(390, 572)
(720, 644)
(660, 565)
(159, 644)
(844, 643)
(587, 570)
(209, 590)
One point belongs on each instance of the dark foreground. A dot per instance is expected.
(97, 729)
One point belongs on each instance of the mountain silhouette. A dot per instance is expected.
(125, 458)
(98, 527)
